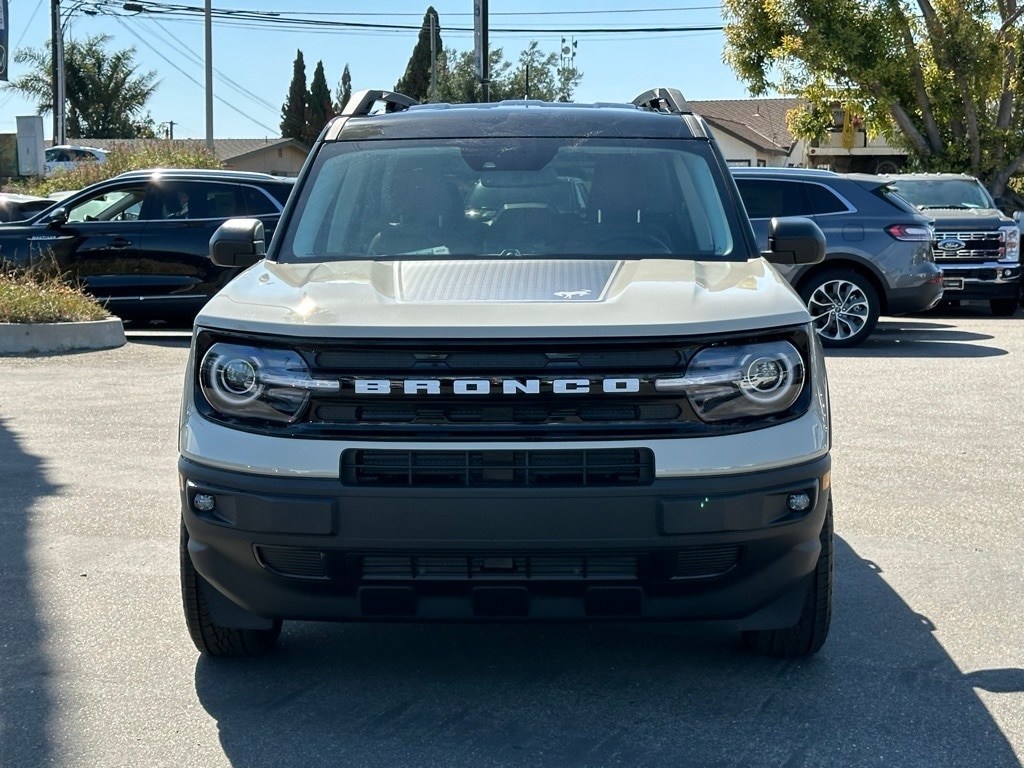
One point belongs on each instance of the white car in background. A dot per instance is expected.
(65, 157)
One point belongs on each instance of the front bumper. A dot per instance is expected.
(970, 282)
(721, 547)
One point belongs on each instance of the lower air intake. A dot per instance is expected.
(501, 469)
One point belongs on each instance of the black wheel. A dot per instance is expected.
(211, 638)
(844, 306)
(1004, 307)
(809, 633)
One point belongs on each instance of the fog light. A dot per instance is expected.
(797, 502)
(204, 502)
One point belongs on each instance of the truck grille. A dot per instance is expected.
(977, 246)
(500, 469)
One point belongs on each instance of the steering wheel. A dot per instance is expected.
(629, 242)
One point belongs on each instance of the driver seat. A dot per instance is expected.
(625, 192)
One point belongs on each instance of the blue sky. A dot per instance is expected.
(253, 60)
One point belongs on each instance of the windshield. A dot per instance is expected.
(945, 193)
(509, 198)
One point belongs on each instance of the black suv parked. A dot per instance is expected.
(878, 258)
(139, 242)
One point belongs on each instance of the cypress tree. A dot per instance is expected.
(416, 81)
(293, 111)
(321, 108)
(344, 90)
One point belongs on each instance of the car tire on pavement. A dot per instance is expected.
(809, 633)
(843, 304)
(1004, 307)
(208, 636)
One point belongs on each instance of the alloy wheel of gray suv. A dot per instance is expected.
(843, 306)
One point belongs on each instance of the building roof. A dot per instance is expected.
(226, 150)
(758, 122)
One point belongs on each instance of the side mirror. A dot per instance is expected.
(58, 218)
(238, 243)
(795, 240)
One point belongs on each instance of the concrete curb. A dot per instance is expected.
(44, 338)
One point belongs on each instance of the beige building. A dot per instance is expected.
(280, 157)
(754, 132)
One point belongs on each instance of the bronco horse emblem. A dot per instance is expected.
(572, 294)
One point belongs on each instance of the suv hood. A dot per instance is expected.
(511, 299)
(975, 218)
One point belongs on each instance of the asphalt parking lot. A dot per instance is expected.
(924, 665)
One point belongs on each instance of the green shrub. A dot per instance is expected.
(157, 153)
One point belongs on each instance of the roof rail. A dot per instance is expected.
(361, 103)
(669, 100)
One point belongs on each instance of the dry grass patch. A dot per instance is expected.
(38, 296)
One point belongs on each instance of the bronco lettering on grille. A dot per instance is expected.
(489, 386)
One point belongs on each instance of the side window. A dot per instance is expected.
(224, 201)
(765, 198)
(279, 192)
(257, 203)
(197, 200)
(122, 204)
(823, 200)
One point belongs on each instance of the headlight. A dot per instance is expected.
(254, 383)
(1011, 242)
(744, 381)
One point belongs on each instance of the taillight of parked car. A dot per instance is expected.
(914, 232)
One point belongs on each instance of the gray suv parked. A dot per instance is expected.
(878, 258)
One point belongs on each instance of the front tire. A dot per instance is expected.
(844, 306)
(209, 637)
(809, 633)
(1003, 307)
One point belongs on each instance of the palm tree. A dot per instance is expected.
(106, 94)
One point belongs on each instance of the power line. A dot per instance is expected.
(271, 19)
(189, 77)
(185, 51)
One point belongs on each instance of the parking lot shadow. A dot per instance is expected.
(904, 337)
(26, 700)
(882, 692)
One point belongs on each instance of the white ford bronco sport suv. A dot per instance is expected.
(614, 409)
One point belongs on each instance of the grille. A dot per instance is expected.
(497, 414)
(978, 246)
(599, 467)
(703, 562)
(500, 567)
(293, 561)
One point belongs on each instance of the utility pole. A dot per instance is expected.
(481, 63)
(170, 130)
(209, 76)
(57, 61)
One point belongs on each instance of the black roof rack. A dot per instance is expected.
(669, 100)
(361, 103)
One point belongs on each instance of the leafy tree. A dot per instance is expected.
(294, 110)
(457, 82)
(321, 108)
(344, 92)
(106, 94)
(416, 80)
(940, 78)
